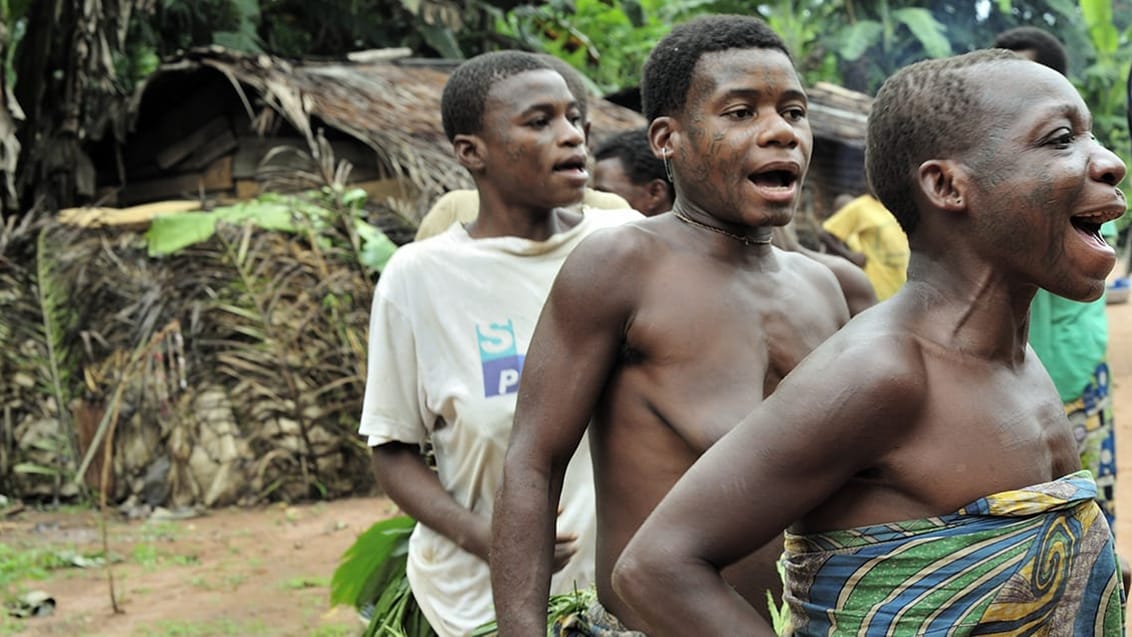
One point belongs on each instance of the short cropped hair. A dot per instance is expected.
(1047, 49)
(926, 110)
(667, 74)
(574, 82)
(465, 93)
(632, 148)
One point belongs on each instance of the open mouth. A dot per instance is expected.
(571, 165)
(1089, 225)
(784, 179)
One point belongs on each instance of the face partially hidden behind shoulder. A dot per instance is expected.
(1007, 168)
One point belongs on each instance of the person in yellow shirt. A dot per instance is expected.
(867, 227)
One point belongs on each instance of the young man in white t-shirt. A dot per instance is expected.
(452, 317)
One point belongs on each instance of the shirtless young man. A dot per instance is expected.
(669, 330)
(921, 456)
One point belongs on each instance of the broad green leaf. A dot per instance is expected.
(1098, 19)
(354, 197)
(360, 569)
(269, 215)
(441, 39)
(170, 233)
(377, 248)
(858, 38)
(931, 34)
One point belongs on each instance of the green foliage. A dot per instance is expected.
(608, 40)
(779, 615)
(927, 31)
(12, 19)
(372, 570)
(19, 565)
(173, 232)
(371, 563)
(334, 27)
(242, 37)
(557, 607)
(169, 233)
(803, 25)
(1103, 83)
(182, 24)
(55, 368)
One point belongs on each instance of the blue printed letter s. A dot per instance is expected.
(501, 361)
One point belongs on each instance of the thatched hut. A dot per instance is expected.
(230, 370)
(213, 123)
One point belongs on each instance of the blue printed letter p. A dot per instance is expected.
(501, 361)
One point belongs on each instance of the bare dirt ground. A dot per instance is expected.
(261, 571)
(265, 571)
(1120, 364)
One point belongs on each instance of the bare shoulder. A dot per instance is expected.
(875, 361)
(810, 269)
(821, 278)
(613, 255)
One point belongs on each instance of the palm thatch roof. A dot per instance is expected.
(390, 106)
(839, 114)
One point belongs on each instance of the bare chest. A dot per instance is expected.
(987, 431)
(702, 364)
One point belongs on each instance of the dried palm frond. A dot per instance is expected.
(280, 320)
(38, 345)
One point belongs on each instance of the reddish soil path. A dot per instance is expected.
(264, 571)
(257, 571)
(1120, 363)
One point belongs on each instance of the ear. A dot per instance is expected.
(657, 190)
(661, 132)
(470, 151)
(943, 182)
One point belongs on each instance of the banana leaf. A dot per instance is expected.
(369, 565)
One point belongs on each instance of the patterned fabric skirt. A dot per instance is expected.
(1095, 431)
(1038, 560)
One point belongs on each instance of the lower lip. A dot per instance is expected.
(776, 194)
(1095, 241)
(576, 175)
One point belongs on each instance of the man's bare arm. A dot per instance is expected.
(412, 485)
(823, 424)
(574, 347)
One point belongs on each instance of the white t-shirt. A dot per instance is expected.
(452, 318)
